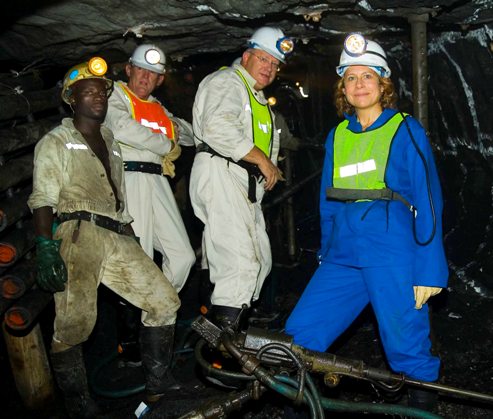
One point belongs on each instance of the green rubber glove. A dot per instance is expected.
(52, 272)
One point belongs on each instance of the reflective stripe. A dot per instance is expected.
(149, 114)
(354, 169)
(261, 120)
(75, 146)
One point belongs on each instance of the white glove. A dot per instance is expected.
(422, 294)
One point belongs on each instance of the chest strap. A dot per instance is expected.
(254, 173)
(351, 195)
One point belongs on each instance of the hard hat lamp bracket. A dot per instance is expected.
(355, 44)
(152, 56)
(285, 45)
(97, 66)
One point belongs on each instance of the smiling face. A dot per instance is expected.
(261, 66)
(142, 81)
(90, 98)
(362, 88)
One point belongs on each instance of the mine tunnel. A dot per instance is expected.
(440, 54)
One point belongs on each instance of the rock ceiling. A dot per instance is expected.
(59, 32)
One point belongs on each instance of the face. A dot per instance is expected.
(362, 87)
(90, 98)
(142, 81)
(261, 66)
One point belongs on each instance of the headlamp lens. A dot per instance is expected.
(285, 45)
(153, 56)
(97, 66)
(355, 44)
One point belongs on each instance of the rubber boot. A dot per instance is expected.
(70, 374)
(156, 348)
(422, 399)
(224, 316)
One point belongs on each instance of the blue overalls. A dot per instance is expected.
(369, 255)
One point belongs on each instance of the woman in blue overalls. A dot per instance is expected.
(381, 208)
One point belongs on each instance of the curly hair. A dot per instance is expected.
(387, 100)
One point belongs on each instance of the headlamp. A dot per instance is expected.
(97, 66)
(152, 56)
(355, 44)
(285, 45)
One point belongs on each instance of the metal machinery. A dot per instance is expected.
(270, 361)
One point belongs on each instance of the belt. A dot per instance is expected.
(351, 195)
(254, 173)
(142, 166)
(99, 220)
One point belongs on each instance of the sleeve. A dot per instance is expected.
(327, 208)
(223, 121)
(430, 266)
(128, 131)
(185, 135)
(47, 174)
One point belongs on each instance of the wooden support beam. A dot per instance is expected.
(24, 312)
(16, 170)
(25, 104)
(30, 368)
(24, 135)
(19, 279)
(21, 240)
(24, 82)
(14, 207)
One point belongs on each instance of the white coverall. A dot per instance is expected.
(236, 244)
(69, 177)
(157, 218)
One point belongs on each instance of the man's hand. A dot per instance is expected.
(52, 272)
(271, 173)
(168, 159)
(422, 294)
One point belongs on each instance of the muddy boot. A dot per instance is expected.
(156, 348)
(70, 374)
(224, 316)
(422, 399)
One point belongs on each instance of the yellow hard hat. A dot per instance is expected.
(95, 68)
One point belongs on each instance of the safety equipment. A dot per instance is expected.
(156, 349)
(150, 57)
(360, 51)
(70, 374)
(422, 294)
(52, 272)
(95, 68)
(272, 41)
(168, 159)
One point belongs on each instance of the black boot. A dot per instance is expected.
(156, 348)
(422, 399)
(71, 377)
(224, 316)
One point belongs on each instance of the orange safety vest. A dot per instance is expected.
(150, 114)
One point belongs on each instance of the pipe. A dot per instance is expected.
(420, 67)
(291, 191)
(22, 314)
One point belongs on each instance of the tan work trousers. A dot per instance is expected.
(95, 255)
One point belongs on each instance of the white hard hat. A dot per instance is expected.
(150, 57)
(272, 41)
(359, 51)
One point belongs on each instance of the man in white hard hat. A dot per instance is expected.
(235, 164)
(149, 136)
